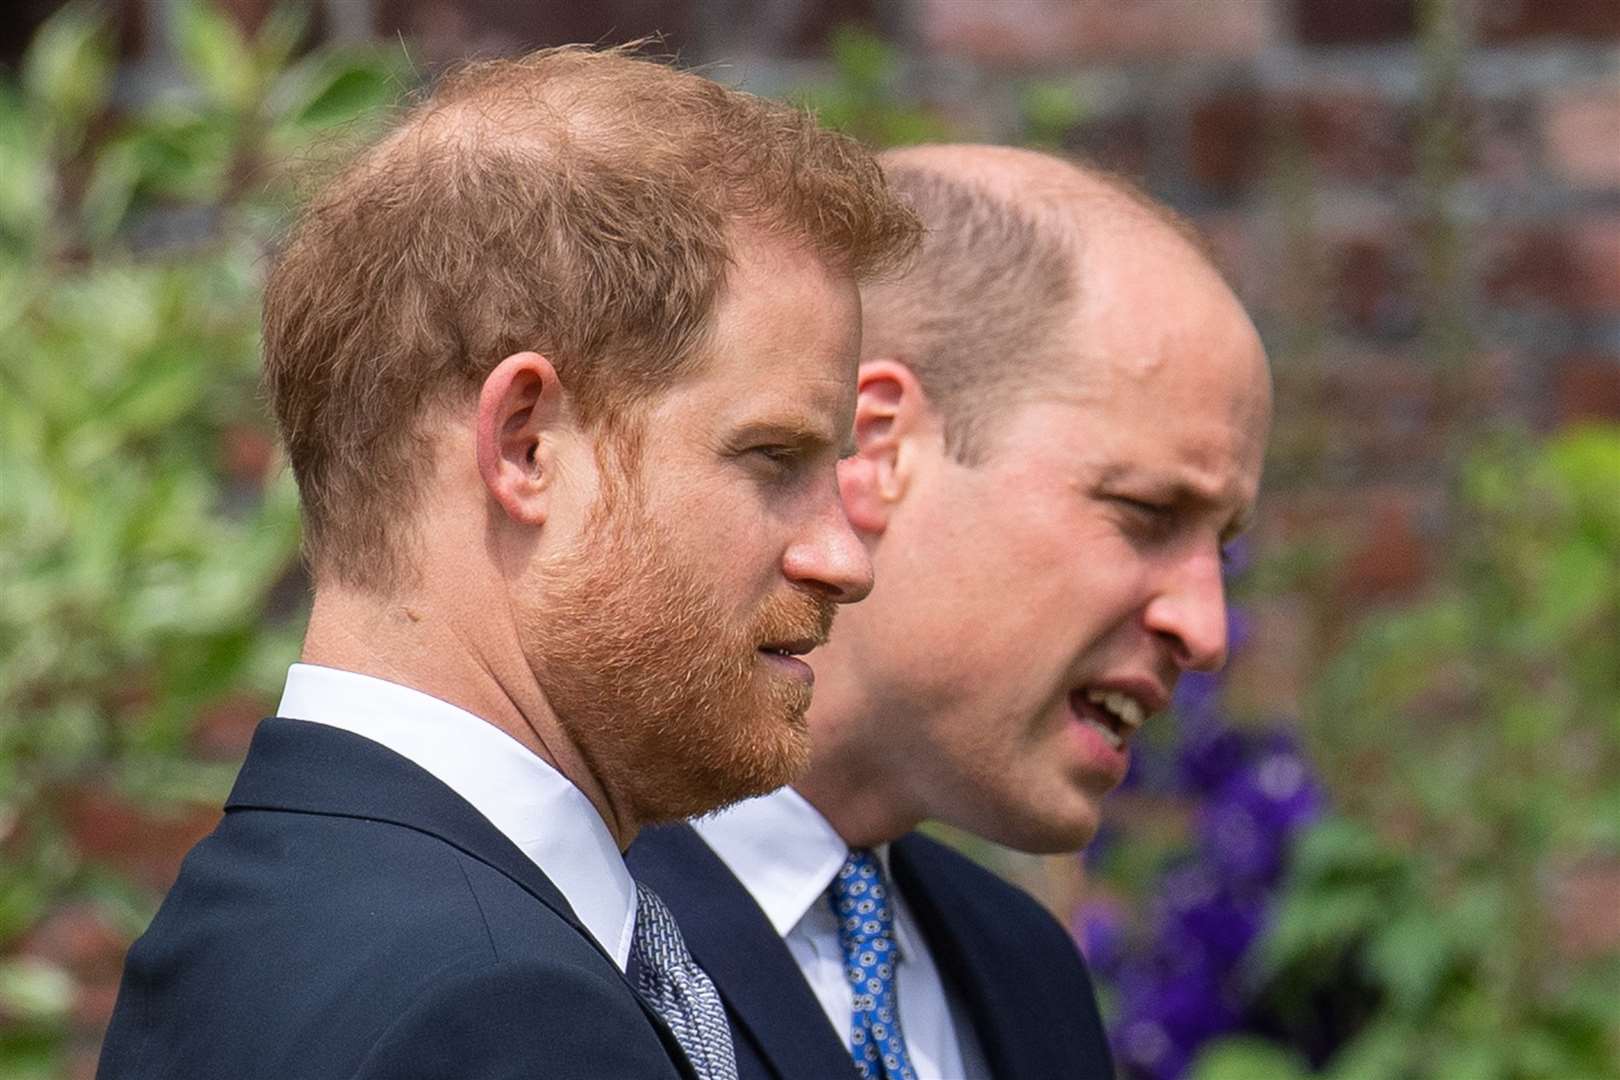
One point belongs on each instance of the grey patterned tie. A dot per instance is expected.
(678, 990)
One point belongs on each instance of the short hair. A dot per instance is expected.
(978, 315)
(576, 202)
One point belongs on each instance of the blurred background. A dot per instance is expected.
(1384, 844)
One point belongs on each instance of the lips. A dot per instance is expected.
(1116, 712)
(792, 648)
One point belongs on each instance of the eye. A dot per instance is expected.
(776, 454)
(1144, 507)
(1152, 520)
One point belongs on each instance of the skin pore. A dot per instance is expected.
(1031, 606)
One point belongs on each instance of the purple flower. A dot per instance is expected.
(1248, 825)
(1211, 754)
(1196, 700)
(1205, 922)
(1170, 1006)
(1100, 930)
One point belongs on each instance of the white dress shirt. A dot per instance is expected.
(786, 854)
(535, 806)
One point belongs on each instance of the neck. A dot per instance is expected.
(852, 780)
(417, 640)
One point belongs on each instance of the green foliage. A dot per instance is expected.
(863, 99)
(1248, 1059)
(141, 526)
(1479, 735)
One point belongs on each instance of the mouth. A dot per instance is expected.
(1115, 713)
(791, 648)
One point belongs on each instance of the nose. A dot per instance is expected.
(1189, 612)
(828, 556)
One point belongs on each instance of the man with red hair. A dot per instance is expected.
(563, 366)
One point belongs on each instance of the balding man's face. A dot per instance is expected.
(1037, 607)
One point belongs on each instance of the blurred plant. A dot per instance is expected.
(1485, 724)
(141, 526)
(863, 98)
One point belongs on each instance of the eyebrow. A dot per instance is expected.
(794, 429)
(1178, 492)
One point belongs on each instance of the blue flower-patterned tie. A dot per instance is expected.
(860, 901)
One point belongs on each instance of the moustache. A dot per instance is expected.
(800, 619)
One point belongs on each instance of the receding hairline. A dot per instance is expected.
(1072, 197)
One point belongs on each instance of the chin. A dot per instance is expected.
(1041, 832)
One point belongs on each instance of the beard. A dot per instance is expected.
(666, 696)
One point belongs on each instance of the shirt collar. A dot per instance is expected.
(532, 804)
(782, 851)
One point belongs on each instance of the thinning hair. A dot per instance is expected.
(981, 313)
(576, 202)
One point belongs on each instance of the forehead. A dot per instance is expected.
(1158, 374)
(783, 344)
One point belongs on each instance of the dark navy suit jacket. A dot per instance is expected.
(353, 917)
(1024, 985)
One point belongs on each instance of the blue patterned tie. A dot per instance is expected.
(678, 990)
(860, 901)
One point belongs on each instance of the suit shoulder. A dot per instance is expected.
(520, 1018)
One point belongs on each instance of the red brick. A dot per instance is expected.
(1585, 906)
(1120, 141)
(1582, 135)
(1506, 21)
(77, 938)
(451, 29)
(1374, 285)
(1571, 266)
(1378, 532)
(1502, 143)
(1236, 250)
(249, 14)
(1226, 147)
(1587, 387)
(1354, 22)
(247, 454)
(1355, 134)
(1032, 32)
(145, 844)
(1391, 556)
(225, 728)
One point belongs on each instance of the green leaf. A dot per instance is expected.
(279, 35)
(67, 72)
(1338, 848)
(1311, 927)
(1051, 110)
(34, 990)
(215, 54)
(1383, 1051)
(349, 93)
(1410, 956)
(111, 190)
(1248, 1059)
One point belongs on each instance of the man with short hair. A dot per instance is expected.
(563, 365)
(1061, 422)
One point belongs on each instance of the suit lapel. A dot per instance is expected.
(966, 961)
(734, 942)
(318, 769)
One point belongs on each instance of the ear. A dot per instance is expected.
(893, 420)
(519, 410)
